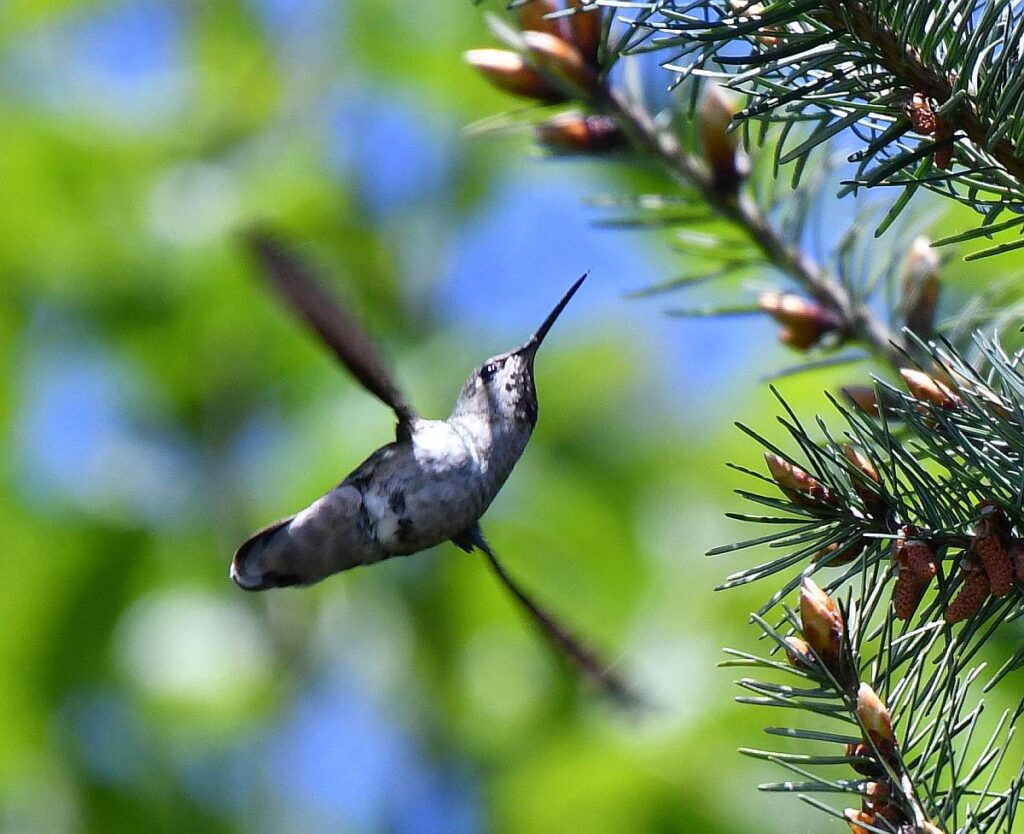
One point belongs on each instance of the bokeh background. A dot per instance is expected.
(159, 405)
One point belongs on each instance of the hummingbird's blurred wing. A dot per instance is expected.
(295, 282)
(588, 663)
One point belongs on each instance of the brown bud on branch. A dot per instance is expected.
(865, 475)
(586, 27)
(795, 483)
(728, 167)
(559, 59)
(921, 114)
(509, 72)
(876, 720)
(578, 133)
(862, 396)
(861, 464)
(877, 793)
(804, 321)
(822, 623)
(943, 156)
(927, 122)
(532, 17)
(798, 653)
(928, 389)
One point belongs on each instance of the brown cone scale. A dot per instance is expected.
(996, 562)
(970, 597)
(906, 594)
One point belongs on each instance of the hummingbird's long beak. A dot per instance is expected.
(534, 341)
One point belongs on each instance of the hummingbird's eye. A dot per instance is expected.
(488, 371)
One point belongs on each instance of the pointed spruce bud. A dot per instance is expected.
(510, 73)
(531, 17)
(860, 822)
(860, 463)
(804, 320)
(928, 389)
(728, 166)
(586, 27)
(560, 59)
(795, 483)
(875, 719)
(578, 133)
(920, 288)
(821, 623)
(862, 396)
(864, 475)
(971, 596)
(798, 653)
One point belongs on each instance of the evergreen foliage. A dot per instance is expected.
(932, 92)
(911, 516)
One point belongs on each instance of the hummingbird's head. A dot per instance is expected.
(502, 388)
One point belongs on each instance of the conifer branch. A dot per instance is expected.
(912, 71)
(933, 91)
(919, 517)
(740, 209)
(914, 510)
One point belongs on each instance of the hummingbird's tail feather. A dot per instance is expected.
(588, 663)
(326, 537)
(250, 570)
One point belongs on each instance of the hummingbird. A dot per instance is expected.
(431, 485)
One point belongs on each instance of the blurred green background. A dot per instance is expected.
(159, 406)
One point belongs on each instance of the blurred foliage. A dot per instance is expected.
(159, 406)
